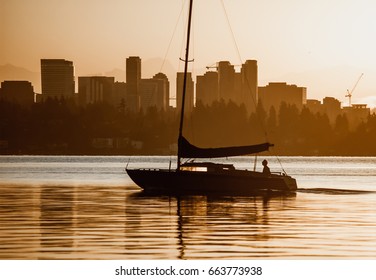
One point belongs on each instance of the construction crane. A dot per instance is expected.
(349, 93)
(216, 65)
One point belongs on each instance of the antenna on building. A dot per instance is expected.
(349, 93)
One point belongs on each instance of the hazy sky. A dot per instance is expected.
(324, 44)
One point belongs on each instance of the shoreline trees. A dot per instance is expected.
(61, 127)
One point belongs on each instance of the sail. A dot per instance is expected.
(187, 150)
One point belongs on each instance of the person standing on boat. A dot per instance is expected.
(266, 170)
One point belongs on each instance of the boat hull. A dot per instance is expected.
(230, 182)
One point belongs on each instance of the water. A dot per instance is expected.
(81, 207)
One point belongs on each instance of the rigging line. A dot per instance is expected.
(253, 94)
(173, 35)
(232, 32)
(279, 161)
(182, 51)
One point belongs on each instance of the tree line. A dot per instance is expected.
(58, 126)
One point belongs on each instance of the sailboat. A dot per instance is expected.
(209, 177)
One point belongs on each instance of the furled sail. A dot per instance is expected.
(187, 150)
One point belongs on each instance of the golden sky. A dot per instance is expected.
(324, 44)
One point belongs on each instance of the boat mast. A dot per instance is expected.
(184, 83)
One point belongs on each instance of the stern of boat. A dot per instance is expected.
(290, 183)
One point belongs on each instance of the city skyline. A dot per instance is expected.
(322, 46)
(228, 84)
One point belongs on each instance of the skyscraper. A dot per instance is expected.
(189, 99)
(96, 89)
(19, 92)
(165, 88)
(226, 79)
(207, 88)
(273, 94)
(133, 79)
(227, 84)
(249, 85)
(57, 78)
(154, 92)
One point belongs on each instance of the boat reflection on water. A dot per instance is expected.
(213, 226)
(56, 219)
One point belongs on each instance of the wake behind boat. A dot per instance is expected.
(208, 177)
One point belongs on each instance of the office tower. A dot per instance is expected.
(226, 79)
(249, 85)
(18, 92)
(164, 88)
(332, 108)
(356, 114)
(57, 78)
(207, 88)
(154, 92)
(189, 98)
(120, 96)
(133, 79)
(274, 94)
(96, 89)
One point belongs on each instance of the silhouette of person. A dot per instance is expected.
(266, 170)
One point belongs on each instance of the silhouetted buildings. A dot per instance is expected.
(57, 78)
(163, 90)
(133, 79)
(228, 85)
(249, 82)
(138, 94)
(207, 88)
(154, 92)
(120, 96)
(356, 114)
(226, 81)
(143, 93)
(19, 92)
(332, 108)
(189, 97)
(95, 90)
(314, 105)
(274, 94)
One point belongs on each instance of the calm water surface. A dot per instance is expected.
(87, 208)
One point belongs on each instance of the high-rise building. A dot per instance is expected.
(57, 78)
(154, 92)
(189, 95)
(133, 79)
(249, 85)
(120, 99)
(332, 108)
(227, 84)
(356, 114)
(274, 94)
(96, 89)
(207, 88)
(19, 92)
(164, 88)
(314, 106)
(226, 80)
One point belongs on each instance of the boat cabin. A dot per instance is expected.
(206, 167)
